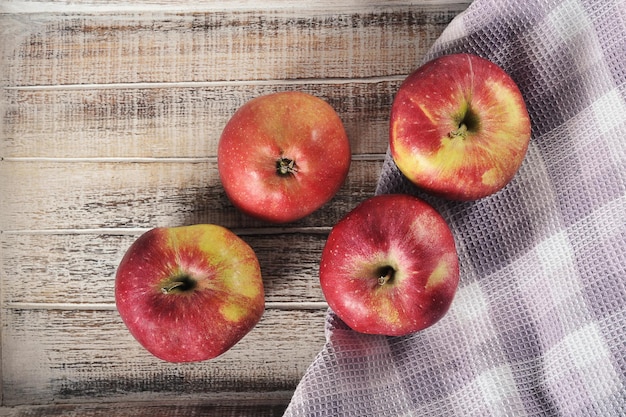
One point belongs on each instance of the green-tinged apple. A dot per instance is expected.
(459, 127)
(189, 293)
(390, 266)
(282, 156)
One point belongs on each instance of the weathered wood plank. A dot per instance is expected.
(68, 195)
(222, 45)
(80, 268)
(89, 355)
(170, 121)
(38, 6)
(240, 408)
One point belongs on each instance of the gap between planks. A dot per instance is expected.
(356, 157)
(204, 84)
(138, 230)
(270, 305)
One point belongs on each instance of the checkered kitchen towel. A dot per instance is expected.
(538, 325)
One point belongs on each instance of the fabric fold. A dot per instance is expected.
(537, 325)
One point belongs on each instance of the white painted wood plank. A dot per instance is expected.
(105, 6)
(77, 356)
(172, 122)
(240, 405)
(78, 270)
(52, 195)
(51, 49)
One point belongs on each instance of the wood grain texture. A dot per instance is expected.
(159, 121)
(258, 408)
(39, 6)
(66, 195)
(88, 355)
(80, 268)
(110, 115)
(223, 45)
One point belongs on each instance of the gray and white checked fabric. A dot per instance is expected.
(538, 326)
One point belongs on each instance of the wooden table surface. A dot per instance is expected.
(110, 117)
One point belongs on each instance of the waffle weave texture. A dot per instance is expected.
(538, 325)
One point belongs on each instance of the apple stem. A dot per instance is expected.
(286, 166)
(385, 275)
(180, 284)
(460, 132)
(168, 288)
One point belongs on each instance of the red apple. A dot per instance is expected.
(189, 293)
(459, 127)
(282, 156)
(390, 266)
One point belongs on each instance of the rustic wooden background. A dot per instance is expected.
(110, 117)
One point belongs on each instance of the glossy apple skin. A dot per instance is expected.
(292, 126)
(193, 323)
(390, 231)
(430, 147)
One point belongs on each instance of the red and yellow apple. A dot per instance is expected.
(459, 127)
(282, 156)
(390, 266)
(189, 293)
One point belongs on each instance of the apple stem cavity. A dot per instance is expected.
(468, 123)
(286, 166)
(385, 275)
(182, 283)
